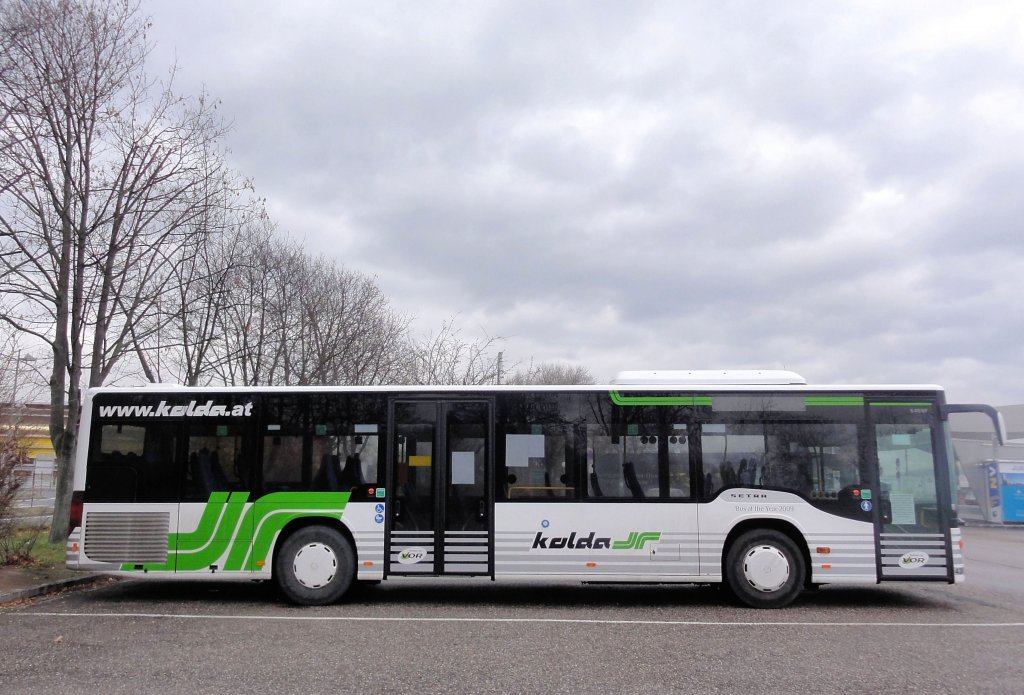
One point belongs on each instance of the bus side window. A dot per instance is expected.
(132, 463)
(345, 463)
(215, 461)
(538, 461)
(734, 456)
(282, 463)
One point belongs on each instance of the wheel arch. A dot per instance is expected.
(306, 521)
(780, 525)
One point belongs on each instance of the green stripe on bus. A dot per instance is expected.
(204, 531)
(637, 541)
(247, 543)
(619, 399)
(833, 400)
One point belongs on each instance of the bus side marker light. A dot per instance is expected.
(591, 564)
(261, 563)
(961, 544)
(826, 567)
(368, 563)
(823, 550)
(74, 547)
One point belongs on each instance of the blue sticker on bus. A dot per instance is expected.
(379, 518)
(865, 505)
(379, 508)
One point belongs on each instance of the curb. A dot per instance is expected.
(49, 588)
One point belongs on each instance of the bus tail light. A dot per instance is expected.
(75, 519)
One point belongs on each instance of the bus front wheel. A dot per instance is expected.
(765, 569)
(315, 566)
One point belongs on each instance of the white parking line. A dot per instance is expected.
(573, 621)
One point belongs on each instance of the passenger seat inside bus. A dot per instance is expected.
(327, 476)
(352, 475)
(206, 471)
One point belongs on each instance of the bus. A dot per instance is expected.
(754, 480)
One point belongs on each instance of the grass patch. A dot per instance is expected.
(47, 554)
(30, 547)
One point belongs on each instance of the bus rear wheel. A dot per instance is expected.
(315, 566)
(765, 569)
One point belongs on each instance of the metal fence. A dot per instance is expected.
(37, 489)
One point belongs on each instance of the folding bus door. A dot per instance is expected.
(441, 520)
(914, 505)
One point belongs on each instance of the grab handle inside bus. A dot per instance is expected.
(885, 510)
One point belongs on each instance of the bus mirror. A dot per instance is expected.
(1001, 429)
(994, 415)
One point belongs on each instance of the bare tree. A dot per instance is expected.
(97, 168)
(350, 334)
(447, 358)
(178, 339)
(13, 455)
(13, 452)
(552, 373)
(20, 378)
(260, 324)
(286, 317)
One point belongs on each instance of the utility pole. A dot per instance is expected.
(18, 361)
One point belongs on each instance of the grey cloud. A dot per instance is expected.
(827, 188)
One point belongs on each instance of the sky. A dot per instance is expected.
(830, 188)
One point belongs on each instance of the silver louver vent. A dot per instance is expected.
(126, 536)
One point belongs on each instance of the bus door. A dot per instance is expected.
(441, 520)
(913, 507)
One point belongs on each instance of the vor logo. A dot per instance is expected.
(914, 558)
(410, 556)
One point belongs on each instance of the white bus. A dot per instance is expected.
(754, 479)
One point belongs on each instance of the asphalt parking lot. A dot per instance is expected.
(478, 636)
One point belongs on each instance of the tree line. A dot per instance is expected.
(131, 248)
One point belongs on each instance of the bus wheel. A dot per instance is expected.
(315, 566)
(765, 569)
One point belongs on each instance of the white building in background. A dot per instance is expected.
(991, 485)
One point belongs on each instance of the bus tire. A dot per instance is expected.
(765, 569)
(315, 566)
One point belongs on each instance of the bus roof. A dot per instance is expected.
(490, 388)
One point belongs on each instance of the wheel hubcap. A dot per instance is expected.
(315, 565)
(766, 568)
